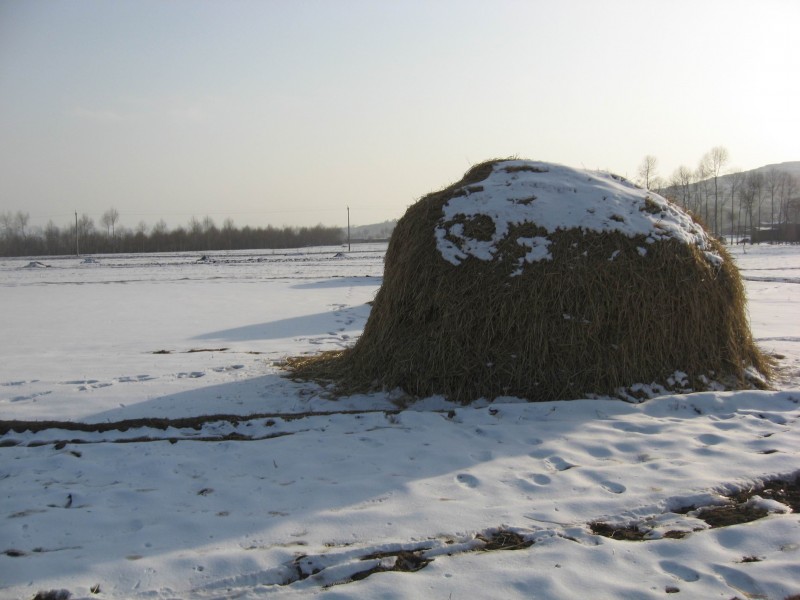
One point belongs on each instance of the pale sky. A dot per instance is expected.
(285, 112)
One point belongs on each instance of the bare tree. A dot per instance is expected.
(51, 237)
(735, 179)
(682, 179)
(773, 180)
(105, 220)
(750, 197)
(7, 223)
(21, 222)
(158, 235)
(647, 171)
(793, 210)
(109, 219)
(713, 163)
(160, 228)
(703, 189)
(195, 227)
(85, 226)
(787, 192)
(228, 229)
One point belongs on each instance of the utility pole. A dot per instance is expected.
(77, 243)
(348, 229)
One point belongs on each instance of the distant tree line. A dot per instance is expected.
(83, 237)
(762, 204)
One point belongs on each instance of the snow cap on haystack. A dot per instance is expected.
(536, 280)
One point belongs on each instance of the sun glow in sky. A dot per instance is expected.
(286, 112)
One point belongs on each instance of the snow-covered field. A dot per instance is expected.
(357, 497)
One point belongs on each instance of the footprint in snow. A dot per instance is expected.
(531, 483)
(540, 453)
(613, 487)
(740, 580)
(30, 396)
(193, 375)
(226, 369)
(637, 428)
(556, 463)
(134, 378)
(710, 439)
(372, 443)
(599, 451)
(94, 386)
(482, 456)
(467, 480)
(678, 570)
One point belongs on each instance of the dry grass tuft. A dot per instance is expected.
(577, 325)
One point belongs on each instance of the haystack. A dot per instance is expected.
(539, 281)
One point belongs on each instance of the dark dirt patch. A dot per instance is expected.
(53, 595)
(676, 535)
(405, 560)
(193, 350)
(786, 491)
(629, 533)
(477, 227)
(504, 540)
(725, 516)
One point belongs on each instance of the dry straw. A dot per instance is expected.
(571, 327)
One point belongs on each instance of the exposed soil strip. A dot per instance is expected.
(740, 510)
(227, 437)
(163, 423)
(191, 351)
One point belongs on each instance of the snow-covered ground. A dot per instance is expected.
(356, 497)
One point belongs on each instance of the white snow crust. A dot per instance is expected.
(303, 492)
(557, 197)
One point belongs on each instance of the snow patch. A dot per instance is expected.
(556, 197)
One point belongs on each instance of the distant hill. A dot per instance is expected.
(376, 231)
(791, 167)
